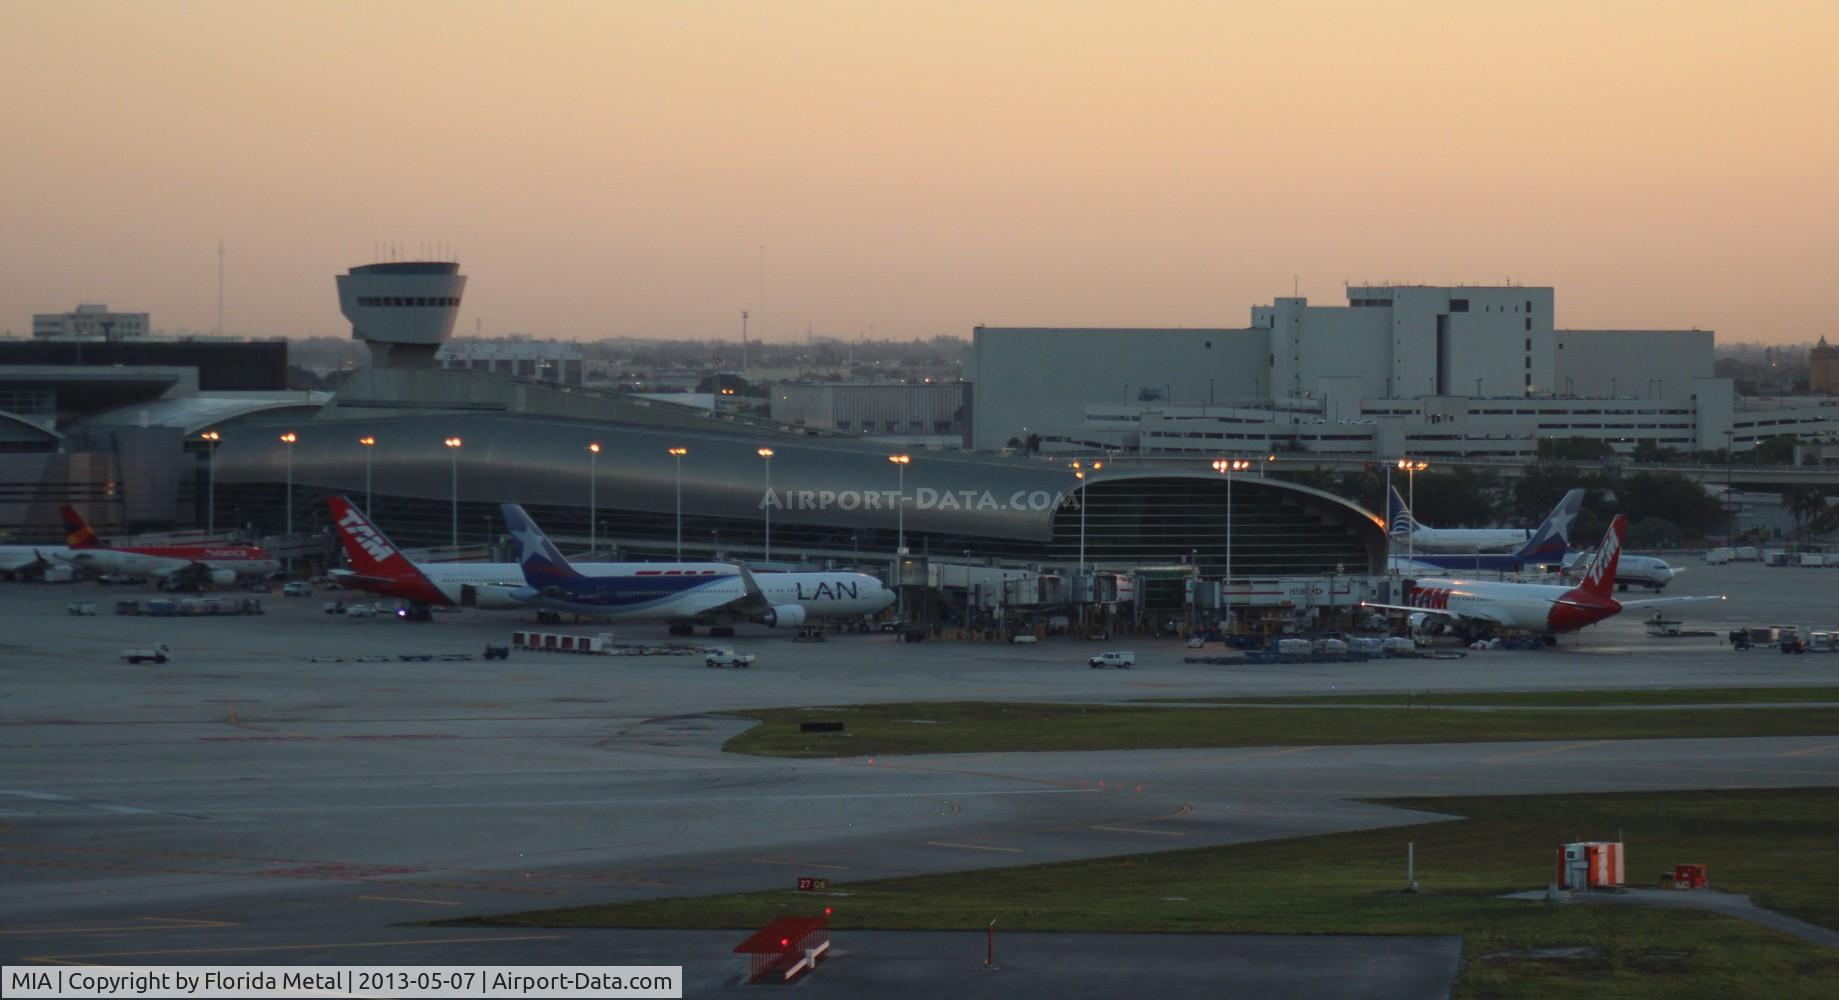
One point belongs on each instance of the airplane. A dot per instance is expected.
(1471, 608)
(20, 561)
(1403, 526)
(1547, 546)
(1633, 571)
(379, 567)
(168, 564)
(685, 594)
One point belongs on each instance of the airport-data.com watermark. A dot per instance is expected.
(919, 499)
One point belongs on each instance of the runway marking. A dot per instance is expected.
(1808, 750)
(797, 864)
(973, 847)
(1542, 751)
(1129, 829)
(165, 924)
(73, 959)
(410, 899)
(49, 797)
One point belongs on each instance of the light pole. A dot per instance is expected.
(1079, 473)
(1730, 512)
(676, 455)
(1226, 467)
(901, 462)
(593, 479)
(368, 442)
(210, 439)
(288, 439)
(1412, 468)
(453, 454)
(767, 454)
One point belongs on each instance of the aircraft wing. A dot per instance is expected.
(752, 600)
(1465, 615)
(360, 580)
(1658, 602)
(13, 562)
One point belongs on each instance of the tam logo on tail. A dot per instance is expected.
(364, 535)
(1602, 575)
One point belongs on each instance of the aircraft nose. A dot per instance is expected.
(887, 597)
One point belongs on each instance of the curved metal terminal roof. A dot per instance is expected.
(834, 483)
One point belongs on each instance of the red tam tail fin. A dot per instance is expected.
(1601, 579)
(369, 550)
(77, 532)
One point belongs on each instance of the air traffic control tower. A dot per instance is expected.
(404, 311)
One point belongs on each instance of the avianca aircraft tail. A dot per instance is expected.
(1550, 543)
(543, 564)
(1399, 521)
(1601, 580)
(77, 532)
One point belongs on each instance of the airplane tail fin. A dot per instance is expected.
(367, 548)
(1600, 580)
(1399, 521)
(1552, 540)
(543, 564)
(77, 532)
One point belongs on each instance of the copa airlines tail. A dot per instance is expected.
(1547, 546)
(1399, 522)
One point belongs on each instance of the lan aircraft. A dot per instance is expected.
(719, 595)
(379, 567)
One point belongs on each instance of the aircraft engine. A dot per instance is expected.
(1423, 624)
(223, 577)
(784, 616)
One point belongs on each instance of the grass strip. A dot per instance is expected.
(1779, 845)
(992, 727)
(1546, 699)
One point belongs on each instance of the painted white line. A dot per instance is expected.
(973, 847)
(1131, 829)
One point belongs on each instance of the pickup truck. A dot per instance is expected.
(1120, 660)
(157, 652)
(727, 658)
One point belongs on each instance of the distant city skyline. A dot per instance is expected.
(651, 170)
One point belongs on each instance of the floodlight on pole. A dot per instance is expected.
(369, 442)
(1226, 467)
(593, 480)
(288, 439)
(676, 455)
(453, 453)
(767, 455)
(210, 439)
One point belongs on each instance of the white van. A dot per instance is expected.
(1120, 660)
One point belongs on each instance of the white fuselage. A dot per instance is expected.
(1634, 571)
(1531, 607)
(147, 564)
(822, 595)
(1461, 539)
(14, 558)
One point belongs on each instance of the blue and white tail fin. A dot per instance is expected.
(1399, 522)
(542, 563)
(1553, 539)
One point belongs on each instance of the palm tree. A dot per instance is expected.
(1806, 503)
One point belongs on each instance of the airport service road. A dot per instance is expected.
(244, 797)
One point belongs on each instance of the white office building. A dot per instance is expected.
(91, 321)
(1457, 370)
(521, 357)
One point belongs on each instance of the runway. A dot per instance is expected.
(242, 797)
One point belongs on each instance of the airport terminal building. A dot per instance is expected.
(1433, 371)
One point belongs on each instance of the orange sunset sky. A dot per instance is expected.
(918, 168)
